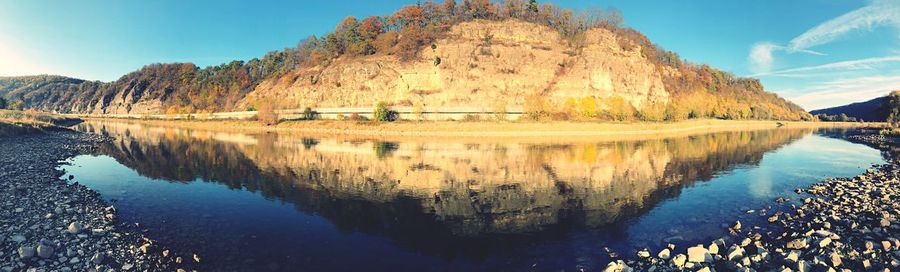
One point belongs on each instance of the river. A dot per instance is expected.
(289, 202)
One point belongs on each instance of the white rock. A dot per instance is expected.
(74, 228)
(698, 254)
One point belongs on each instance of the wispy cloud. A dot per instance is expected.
(860, 64)
(877, 13)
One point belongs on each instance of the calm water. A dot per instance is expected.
(287, 202)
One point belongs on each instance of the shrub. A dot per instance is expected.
(587, 107)
(356, 117)
(471, 118)
(340, 116)
(309, 114)
(619, 109)
(653, 111)
(499, 110)
(2, 103)
(266, 114)
(418, 111)
(382, 113)
(536, 107)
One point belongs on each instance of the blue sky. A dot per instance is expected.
(816, 53)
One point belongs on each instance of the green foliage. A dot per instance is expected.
(309, 114)
(835, 118)
(382, 113)
(891, 108)
(385, 149)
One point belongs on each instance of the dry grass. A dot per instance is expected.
(494, 129)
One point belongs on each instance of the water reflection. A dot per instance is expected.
(469, 188)
(446, 197)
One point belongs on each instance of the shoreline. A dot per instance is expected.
(59, 225)
(838, 224)
(494, 130)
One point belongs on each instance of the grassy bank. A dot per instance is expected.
(14, 123)
(492, 129)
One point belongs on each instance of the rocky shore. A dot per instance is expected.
(50, 223)
(840, 224)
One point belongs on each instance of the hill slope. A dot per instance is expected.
(870, 111)
(484, 55)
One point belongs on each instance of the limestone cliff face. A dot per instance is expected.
(480, 63)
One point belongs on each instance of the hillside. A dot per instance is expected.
(869, 111)
(554, 63)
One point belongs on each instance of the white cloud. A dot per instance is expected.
(879, 13)
(860, 64)
(761, 57)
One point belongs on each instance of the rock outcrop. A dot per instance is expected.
(477, 64)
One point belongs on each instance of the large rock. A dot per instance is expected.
(698, 254)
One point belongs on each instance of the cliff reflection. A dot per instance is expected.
(413, 188)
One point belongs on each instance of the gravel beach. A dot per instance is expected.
(50, 223)
(839, 224)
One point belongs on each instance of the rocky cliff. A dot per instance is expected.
(604, 72)
(477, 64)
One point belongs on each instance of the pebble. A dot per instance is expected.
(26, 252)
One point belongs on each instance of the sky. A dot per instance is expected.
(817, 53)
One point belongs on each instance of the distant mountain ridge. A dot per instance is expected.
(869, 111)
(482, 54)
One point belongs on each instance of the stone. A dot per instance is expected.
(802, 266)
(886, 245)
(799, 243)
(26, 252)
(698, 254)
(74, 228)
(98, 258)
(144, 248)
(835, 259)
(44, 251)
(664, 254)
(643, 254)
(792, 256)
(17, 238)
(713, 249)
(679, 260)
(735, 252)
(127, 266)
(884, 222)
(737, 225)
(773, 219)
(824, 242)
(196, 258)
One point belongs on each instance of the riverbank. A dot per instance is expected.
(493, 129)
(53, 224)
(849, 224)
